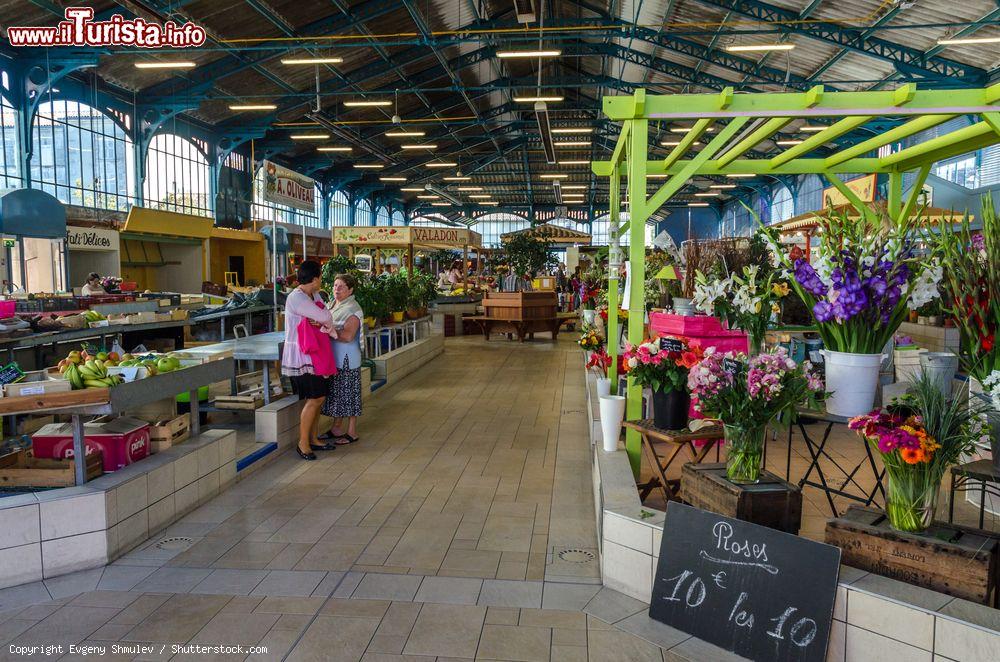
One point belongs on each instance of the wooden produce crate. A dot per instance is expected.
(37, 382)
(22, 469)
(169, 432)
(247, 402)
(951, 559)
(771, 502)
(520, 305)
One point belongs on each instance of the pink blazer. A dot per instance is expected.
(317, 345)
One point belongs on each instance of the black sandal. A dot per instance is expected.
(347, 439)
(305, 456)
(324, 447)
(327, 436)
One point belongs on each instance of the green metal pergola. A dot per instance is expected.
(733, 124)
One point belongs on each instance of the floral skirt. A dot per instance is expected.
(344, 396)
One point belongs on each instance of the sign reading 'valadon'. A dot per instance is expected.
(760, 593)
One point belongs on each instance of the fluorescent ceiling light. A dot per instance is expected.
(372, 102)
(309, 136)
(441, 164)
(335, 148)
(404, 134)
(760, 47)
(968, 40)
(392, 179)
(553, 176)
(574, 163)
(411, 189)
(371, 166)
(426, 146)
(813, 129)
(536, 53)
(470, 188)
(457, 178)
(490, 204)
(482, 196)
(698, 204)
(706, 195)
(723, 186)
(573, 187)
(660, 175)
(440, 204)
(787, 143)
(254, 106)
(537, 99)
(166, 65)
(573, 129)
(428, 197)
(675, 143)
(312, 60)
(740, 175)
(574, 143)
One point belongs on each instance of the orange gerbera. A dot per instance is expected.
(911, 455)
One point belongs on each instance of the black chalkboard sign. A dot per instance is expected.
(672, 344)
(10, 373)
(732, 366)
(755, 591)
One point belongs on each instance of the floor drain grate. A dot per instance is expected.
(576, 556)
(175, 543)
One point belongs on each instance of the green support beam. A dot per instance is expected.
(893, 135)
(614, 214)
(689, 139)
(911, 199)
(817, 140)
(639, 212)
(770, 127)
(937, 145)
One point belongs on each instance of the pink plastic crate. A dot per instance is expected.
(686, 325)
(7, 308)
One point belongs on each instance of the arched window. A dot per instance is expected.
(176, 176)
(81, 155)
(363, 212)
(810, 197)
(782, 205)
(9, 168)
(398, 218)
(382, 216)
(340, 210)
(567, 223)
(270, 211)
(491, 226)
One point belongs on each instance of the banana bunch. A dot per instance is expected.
(93, 316)
(92, 374)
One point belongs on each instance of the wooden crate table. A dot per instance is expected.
(771, 502)
(948, 558)
(676, 440)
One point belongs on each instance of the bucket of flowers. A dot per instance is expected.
(918, 439)
(663, 367)
(599, 363)
(746, 301)
(590, 339)
(748, 394)
(867, 274)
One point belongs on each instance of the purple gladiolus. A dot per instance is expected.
(823, 311)
(809, 279)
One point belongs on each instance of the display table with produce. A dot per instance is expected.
(110, 400)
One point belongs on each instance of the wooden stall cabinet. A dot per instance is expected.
(520, 313)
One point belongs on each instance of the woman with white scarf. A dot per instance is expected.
(344, 397)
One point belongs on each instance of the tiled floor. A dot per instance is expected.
(436, 537)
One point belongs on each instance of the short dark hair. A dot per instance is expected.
(93, 275)
(350, 281)
(307, 272)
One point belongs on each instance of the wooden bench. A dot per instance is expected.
(523, 328)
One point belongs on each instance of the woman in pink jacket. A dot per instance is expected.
(308, 380)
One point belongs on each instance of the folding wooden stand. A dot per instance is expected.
(679, 440)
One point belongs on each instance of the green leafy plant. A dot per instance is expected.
(527, 254)
(395, 289)
(338, 264)
(422, 288)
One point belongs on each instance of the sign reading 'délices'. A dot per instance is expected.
(755, 591)
(287, 187)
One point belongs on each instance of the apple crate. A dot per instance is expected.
(22, 469)
(169, 432)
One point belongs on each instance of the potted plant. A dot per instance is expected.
(746, 301)
(370, 299)
(867, 276)
(397, 294)
(422, 291)
(663, 366)
(918, 439)
(747, 395)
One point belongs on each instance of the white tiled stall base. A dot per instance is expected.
(875, 618)
(400, 362)
(47, 534)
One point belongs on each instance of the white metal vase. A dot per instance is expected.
(603, 386)
(852, 380)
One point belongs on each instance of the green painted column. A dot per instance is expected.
(638, 213)
(614, 259)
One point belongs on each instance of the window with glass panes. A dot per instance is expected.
(340, 209)
(81, 155)
(363, 212)
(383, 217)
(492, 226)
(177, 176)
(9, 167)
